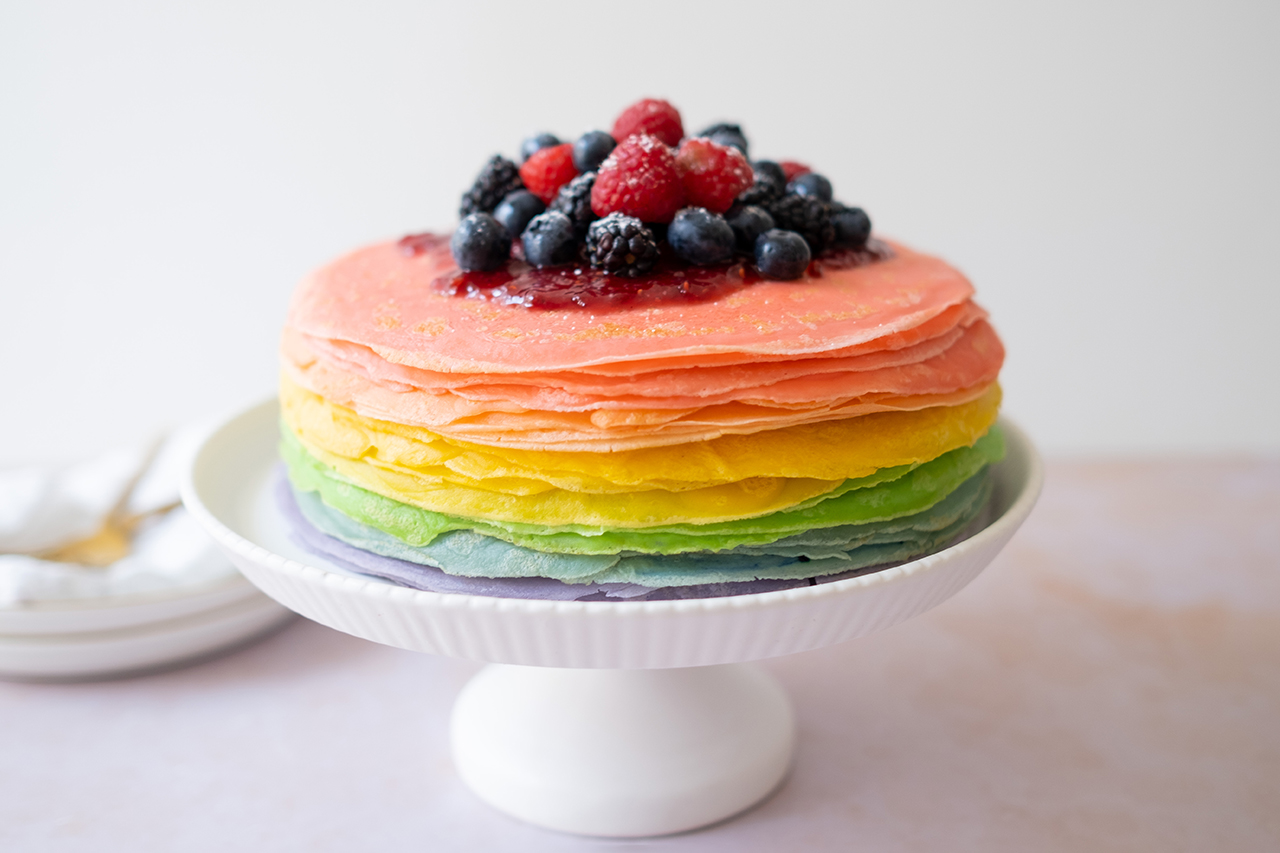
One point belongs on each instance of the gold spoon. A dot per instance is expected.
(114, 539)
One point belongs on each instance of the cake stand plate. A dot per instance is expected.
(706, 735)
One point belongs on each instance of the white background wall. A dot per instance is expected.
(1106, 172)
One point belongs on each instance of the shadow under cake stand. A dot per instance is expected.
(536, 733)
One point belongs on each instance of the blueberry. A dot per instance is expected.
(713, 129)
(853, 227)
(515, 211)
(550, 240)
(771, 170)
(591, 149)
(534, 144)
(480, 243)
(781, 255)
(700, 237)
(748, 222)
(727, 134)
(811, 184)
(730, 139)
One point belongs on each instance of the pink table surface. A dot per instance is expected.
(1112, 682)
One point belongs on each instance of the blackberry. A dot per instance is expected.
(811, 183)
(549, 240)
(770, 184)
(481, 243)
(536, 143)
(621, 245)
(701, 237)
(782, 255)
(852, 226)
(808, 216)
(516, 210)
(498, 177)
(591, 149)
(574, 201)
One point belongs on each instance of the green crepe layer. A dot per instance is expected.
(811, 554)
(890, 493)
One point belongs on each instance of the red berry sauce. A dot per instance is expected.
(580, 286)
(419, 244)
(847, 259)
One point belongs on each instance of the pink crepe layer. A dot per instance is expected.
(381, 298)
(704, 382)
(963, 358)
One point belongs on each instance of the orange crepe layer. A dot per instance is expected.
(382, 299)
(600, 431)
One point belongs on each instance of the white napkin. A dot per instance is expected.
(44, 508)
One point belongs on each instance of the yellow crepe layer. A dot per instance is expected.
(728, 478)
(835, 450)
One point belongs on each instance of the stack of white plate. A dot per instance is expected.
(128, 634)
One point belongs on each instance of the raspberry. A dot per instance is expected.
(547, 170)
(651, 116)
(712, 175)
(793, 170)
(639, 179)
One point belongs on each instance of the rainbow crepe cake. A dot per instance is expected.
(639, 368)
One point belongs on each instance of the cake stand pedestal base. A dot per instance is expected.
(622, 753)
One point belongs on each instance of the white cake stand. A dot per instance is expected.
(598, 718)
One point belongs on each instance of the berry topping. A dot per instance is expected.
(534, 144)
(480, 243)
(770, 183)
(498, 177)
(852, 226)
(781, 255)
(808, 216)
(748, 222)
(639, 179)
(550, 240)
(712, 174)
(574, 201)
(516, 210)
(652, 117)
(811, 183)
(621, 245)
(591, 149)
(548, 170)
(532, 235)
(792, 170)
(727, 134)
(701, 237)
